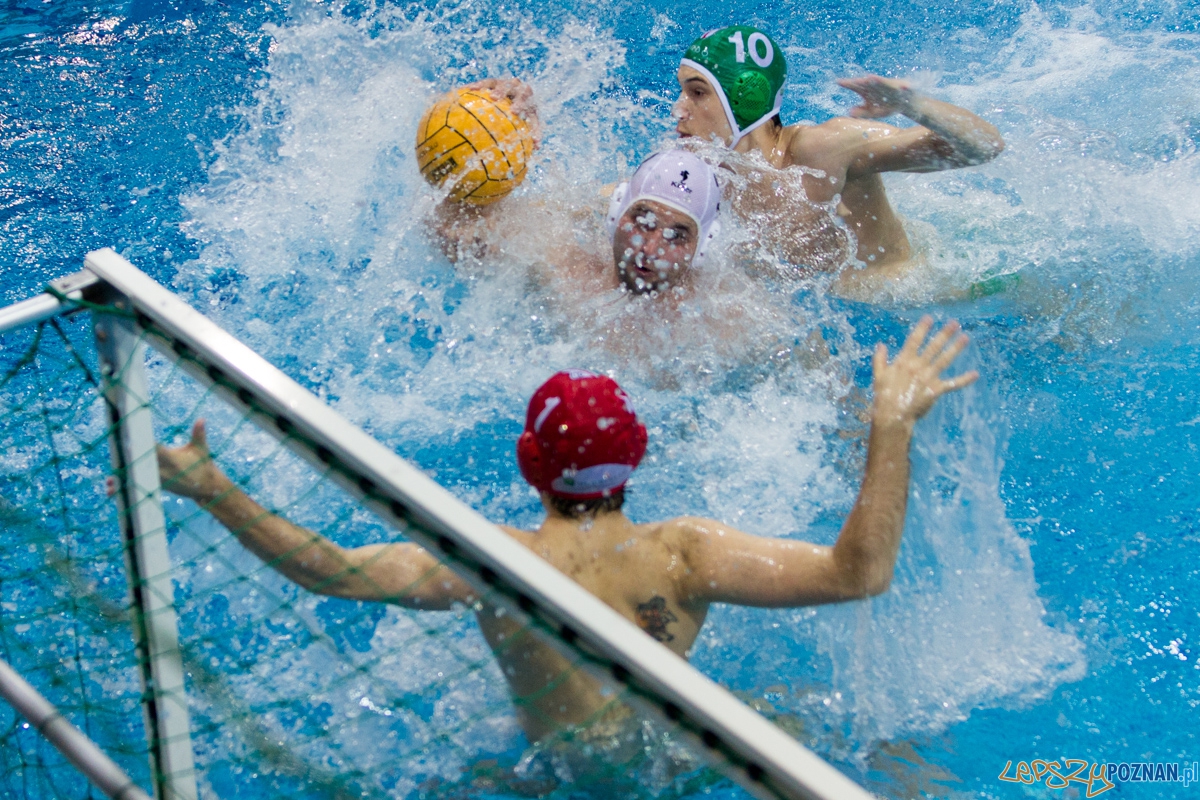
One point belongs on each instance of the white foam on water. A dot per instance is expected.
(317, 205)
(1096, 199)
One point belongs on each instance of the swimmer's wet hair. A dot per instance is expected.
(574, 508)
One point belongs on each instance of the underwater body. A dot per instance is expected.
(258, 160)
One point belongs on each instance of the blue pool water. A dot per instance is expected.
(257, 158)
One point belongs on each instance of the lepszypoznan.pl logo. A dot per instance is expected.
(1098, 777)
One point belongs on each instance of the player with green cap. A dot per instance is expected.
(731, 85)
(749, 70)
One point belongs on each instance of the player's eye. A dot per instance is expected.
(646, 220)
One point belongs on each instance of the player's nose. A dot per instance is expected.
(653, 242)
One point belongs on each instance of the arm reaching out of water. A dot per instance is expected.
(468, 231)
(733, 567)
(947, 137)
(400, 573)
(519, 95)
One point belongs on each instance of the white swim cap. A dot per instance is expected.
(678, 179)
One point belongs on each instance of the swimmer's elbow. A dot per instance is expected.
(987, 145)
(992, 148)
(866, 584)
(879, 586)
(979, 146)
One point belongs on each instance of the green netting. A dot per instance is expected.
(291, 694)
(62, 581)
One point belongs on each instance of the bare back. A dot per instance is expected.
(632, 568)
(639, 570)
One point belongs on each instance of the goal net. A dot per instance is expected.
(206, 673)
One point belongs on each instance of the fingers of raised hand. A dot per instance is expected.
(879, 360)
(937, 343)
(958, 382)
(917, 336)
(200, 435)
(950, 352)
(168, 460)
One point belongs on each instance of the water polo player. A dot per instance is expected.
(581, 442)
(661, 223)
(731, 87)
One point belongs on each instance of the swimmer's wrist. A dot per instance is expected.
(893, 421)
(914, 107)
(213, 489)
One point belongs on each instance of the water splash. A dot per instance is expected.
(314, 219)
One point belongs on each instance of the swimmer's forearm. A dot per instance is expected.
(292, 550)
(301, 555)
(971, 138)
(866, 549)
(400, 573)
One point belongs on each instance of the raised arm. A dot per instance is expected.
(905, 390)
(464, 231)
(400, 573)
(948, 136)
(519, 95)
(728, 566)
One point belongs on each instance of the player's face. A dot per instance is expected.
(698, 111)
(653, 247)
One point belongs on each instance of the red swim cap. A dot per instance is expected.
(582, 438)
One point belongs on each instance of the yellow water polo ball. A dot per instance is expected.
(475, 144)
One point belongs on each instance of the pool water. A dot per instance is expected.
(257, 158)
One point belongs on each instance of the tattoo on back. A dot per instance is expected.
(653, 617)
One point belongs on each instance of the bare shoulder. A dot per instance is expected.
(809, 141)
(693, 537)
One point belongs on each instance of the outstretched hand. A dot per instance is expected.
(908, 387)
(189, 470)
(520, 99)
(881, 97)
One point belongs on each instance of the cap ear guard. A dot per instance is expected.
(706, 239)
(640, 439)
(616, 206)
(529, 459)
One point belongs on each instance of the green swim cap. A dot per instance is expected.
(748, 70)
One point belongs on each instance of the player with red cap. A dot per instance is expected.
(581, 442)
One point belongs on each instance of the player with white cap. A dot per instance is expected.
(663, 220)
(661, 223)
